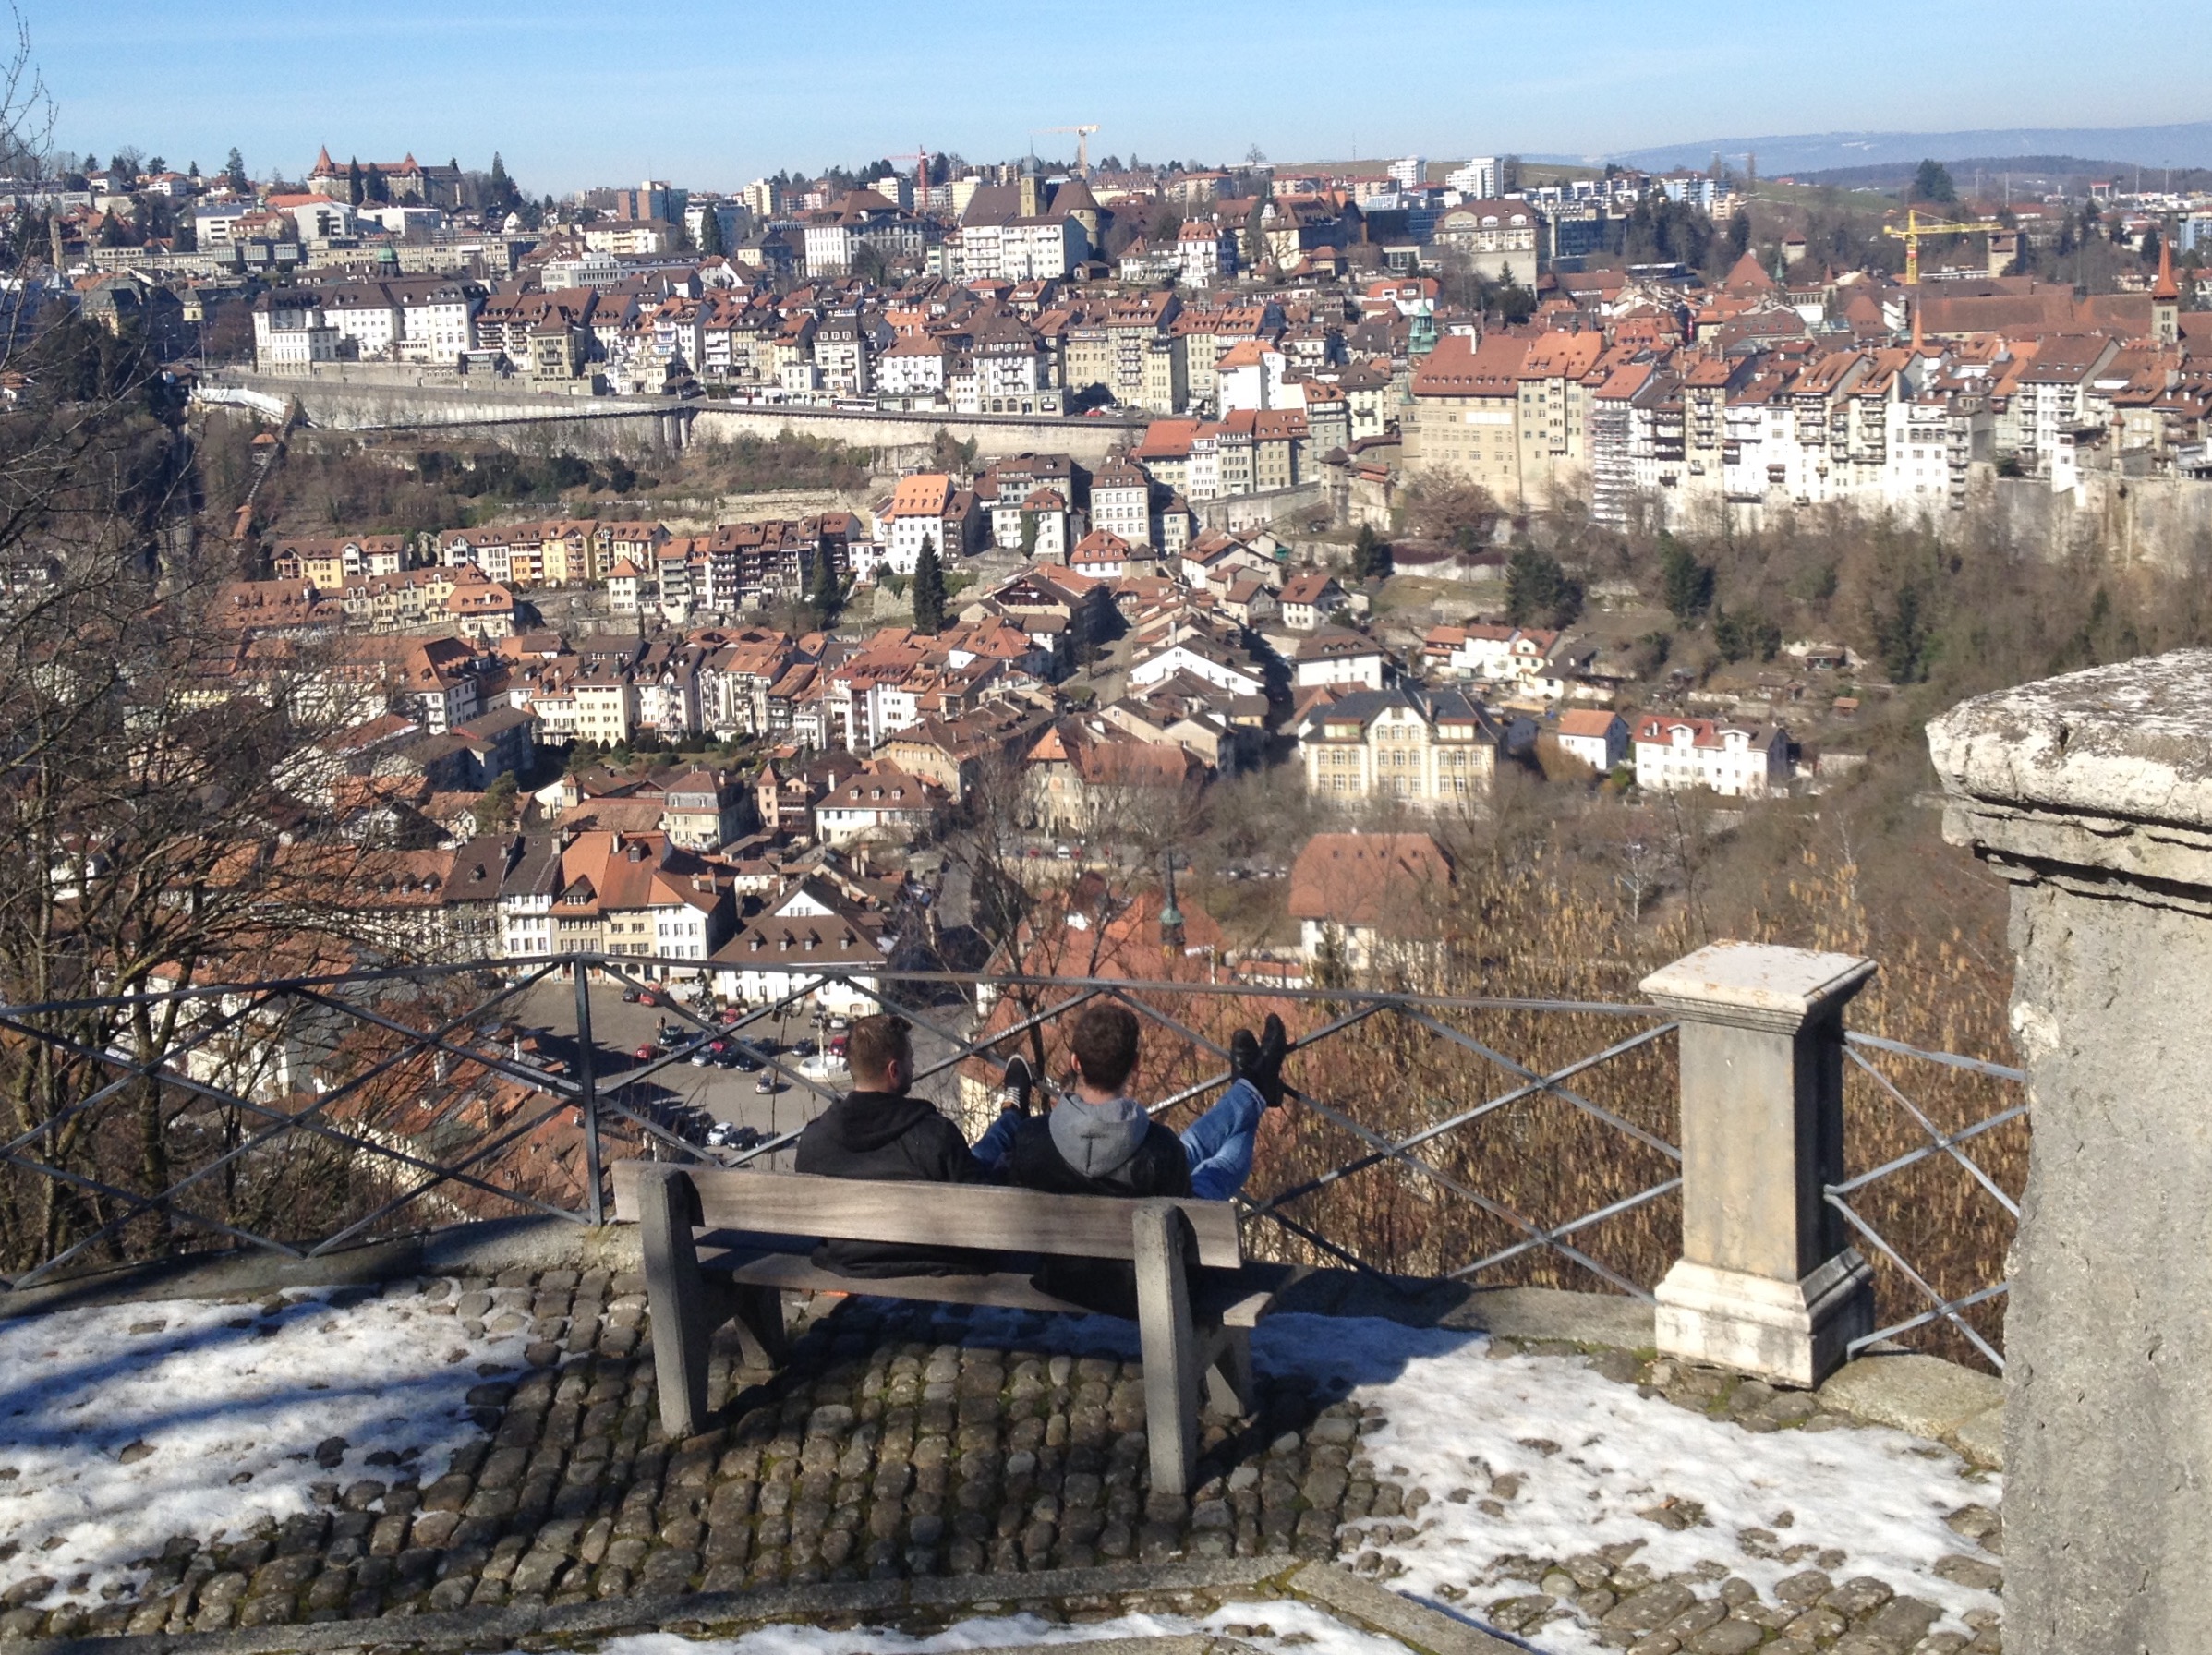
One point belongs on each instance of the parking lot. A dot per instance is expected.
(621, 1027)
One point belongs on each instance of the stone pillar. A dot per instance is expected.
(2092, 795)
(1766, 1284)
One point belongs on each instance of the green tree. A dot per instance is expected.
(1903, 639)
(826, 595)
(1029, 534)
(1743, 635)
(1933, 183)
(1370, 555)
(1687, 582)
(499, 195)
(496, 809)
(929, 589)
(233, 171)
(1538, 590)
(1739, 234)
(710, 233)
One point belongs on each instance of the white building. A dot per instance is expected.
(784, 952)
(1737, 761)
(1599, 739)
(290, 332)
(1476, 181)
(916, 513)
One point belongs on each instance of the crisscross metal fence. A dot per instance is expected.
(1450, 1138)
(1993, 1099)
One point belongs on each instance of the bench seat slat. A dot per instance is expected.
(1005, 1289)
(987, 1217)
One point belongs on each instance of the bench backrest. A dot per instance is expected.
(987, 1217)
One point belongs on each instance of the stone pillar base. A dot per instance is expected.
(1792, 1332)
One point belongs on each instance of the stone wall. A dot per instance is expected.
(538, 422)
(2092, 795)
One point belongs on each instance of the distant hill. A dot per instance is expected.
(2026, 173)
(2188, 144)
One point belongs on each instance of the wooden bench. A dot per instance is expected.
(723, 1246)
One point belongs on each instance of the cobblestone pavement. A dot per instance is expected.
(897, 1444)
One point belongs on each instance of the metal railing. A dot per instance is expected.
(1860, 1050)
(308, 1114)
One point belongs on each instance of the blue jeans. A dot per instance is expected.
(1218, 1143)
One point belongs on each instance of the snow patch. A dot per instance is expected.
(1590, 1453)
(123, 1426)
(1307, 1629)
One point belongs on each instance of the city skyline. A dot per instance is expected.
(1583, 79)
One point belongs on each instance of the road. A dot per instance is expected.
(620, 1028)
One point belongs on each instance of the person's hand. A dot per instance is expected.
(1260, 1061)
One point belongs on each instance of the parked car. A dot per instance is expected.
(804, 1048)
(768, 1084)
(645, 1054)
(630, 996)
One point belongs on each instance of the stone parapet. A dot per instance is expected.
(2093, 793)
(1767, 1283)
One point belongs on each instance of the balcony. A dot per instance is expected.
(1451, 1140)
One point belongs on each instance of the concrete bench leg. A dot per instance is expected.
(682, 1301)
(758, 1312)
(1163, 1247)
(1229, 1371)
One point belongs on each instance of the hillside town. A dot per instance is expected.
(1676, 347)
(884, 858)
(709, 740)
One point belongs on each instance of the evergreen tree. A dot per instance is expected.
(710, 232)
(929, 589)
(826, 594)
(233, 171)
(1370, 555)
(1687, 582)
(1933, 183)
(500, 196)
(1538, 590)
(1739, 234)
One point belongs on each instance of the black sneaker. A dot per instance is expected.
(1016, 1083)
(1260, 1061)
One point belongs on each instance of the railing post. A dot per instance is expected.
(588, 1091)
(2092, 795)
(1767, 1283)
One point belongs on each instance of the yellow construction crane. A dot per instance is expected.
(1916, 227)
(1082, 145)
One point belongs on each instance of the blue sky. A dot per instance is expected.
(711, 95)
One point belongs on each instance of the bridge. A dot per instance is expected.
(513, 415)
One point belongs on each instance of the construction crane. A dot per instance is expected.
(920, 157)
(1916, 227)
(1082, 145)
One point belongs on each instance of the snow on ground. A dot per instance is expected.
(1280, 1625)
(1592, 1453)
(1601, 1454)
(124, 1425)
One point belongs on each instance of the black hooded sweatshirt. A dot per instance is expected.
(880, 1135)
